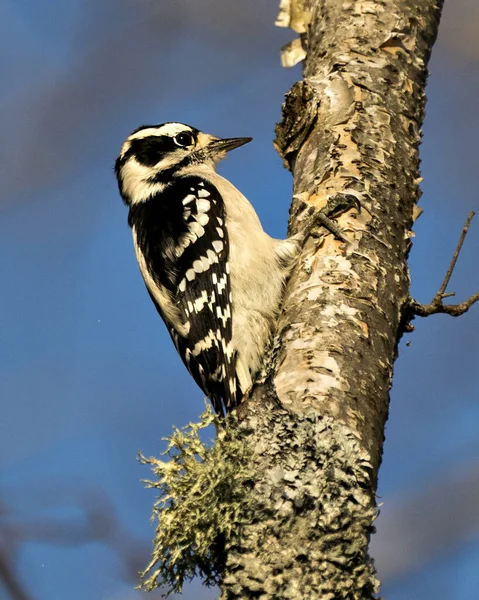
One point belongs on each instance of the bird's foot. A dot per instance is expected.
(336, 206)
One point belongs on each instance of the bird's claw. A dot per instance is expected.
(339, 204)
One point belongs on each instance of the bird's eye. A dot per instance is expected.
(184, 139)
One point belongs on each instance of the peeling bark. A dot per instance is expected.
(351, 127)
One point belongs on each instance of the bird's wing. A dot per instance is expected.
(191, 289)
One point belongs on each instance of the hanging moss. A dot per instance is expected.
(201, 506)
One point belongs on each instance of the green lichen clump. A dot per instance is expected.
(202, 504)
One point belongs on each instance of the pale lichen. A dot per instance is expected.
(202, 504)
(314, 512)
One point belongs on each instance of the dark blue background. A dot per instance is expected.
(89, 376)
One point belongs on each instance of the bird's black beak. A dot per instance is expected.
(225, 145)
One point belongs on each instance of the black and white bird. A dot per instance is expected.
(215, 276)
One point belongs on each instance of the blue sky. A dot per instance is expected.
(88, 375)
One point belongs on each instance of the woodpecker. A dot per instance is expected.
(214, 275)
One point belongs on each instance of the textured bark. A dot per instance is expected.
(351, 127)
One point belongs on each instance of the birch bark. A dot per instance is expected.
(351, 127)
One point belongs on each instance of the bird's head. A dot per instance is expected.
(154, 154)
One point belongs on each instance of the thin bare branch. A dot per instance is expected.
(437, 305)
(10, 580)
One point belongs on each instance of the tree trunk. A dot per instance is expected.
(351, 128)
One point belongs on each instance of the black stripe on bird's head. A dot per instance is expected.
(153, 154)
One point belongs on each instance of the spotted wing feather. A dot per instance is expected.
(184, 244)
